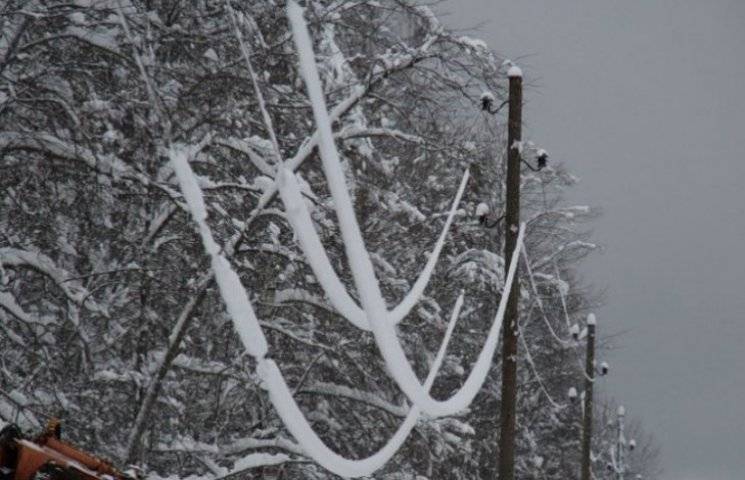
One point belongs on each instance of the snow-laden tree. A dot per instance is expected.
(109, 315)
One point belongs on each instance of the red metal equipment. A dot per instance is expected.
(47, 457)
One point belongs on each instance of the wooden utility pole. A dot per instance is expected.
(621, 446)
(509, 327)
(589, 383)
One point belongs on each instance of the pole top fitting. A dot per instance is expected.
(591, 319)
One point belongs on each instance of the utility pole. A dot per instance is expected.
(509, 327)
(621, 446)
(617, 462)
(589, 383)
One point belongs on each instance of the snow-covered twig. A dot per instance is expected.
(331, 389)
(39, 262)
(539, 301)
(532, 364)
(153, 389)
(245, 51)
(576, 244)
(561, 295)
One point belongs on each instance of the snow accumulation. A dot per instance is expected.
(474, 43)
(362, 270)
(211, 55)
(426, 12)
(77, 17)
(258, 459)
(104, 38)
(42, 263)
(514, 71)
(373, 314)
(518, 145)
(314, 446)
(310, 243)
(574, 330)
(583, 334)
(482, 209)
(591, 319)
(231, 289)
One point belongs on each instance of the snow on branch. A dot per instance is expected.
(45, 143)
(247, 325)
(572, 246)
(360, 263)
(233, 293)
(15, 408)
(241, 445)
(8, 303)
(249, 149)
(245, 52)
(357, 93)
(110, 166)
(299, 217)
(563, 342)
(332, 389)
(41, 263)
(244, 319)
(361, 132)
(254, 460)
(290, 295)
(247, 462)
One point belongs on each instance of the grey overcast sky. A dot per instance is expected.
(645, 101)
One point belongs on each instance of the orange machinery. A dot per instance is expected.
(47, 457)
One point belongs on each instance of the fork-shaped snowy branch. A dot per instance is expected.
(299, 217)
(377, 317)
(363, 274)
(251, 335)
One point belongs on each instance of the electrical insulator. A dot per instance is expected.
(572, 394)
(487, 100)
(574, 330)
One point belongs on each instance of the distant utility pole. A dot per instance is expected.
(509, 327)
(589, 383)
(621, 446)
